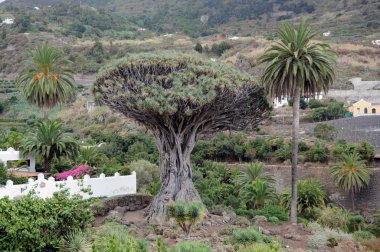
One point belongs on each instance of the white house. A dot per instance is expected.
(327, 34)
(284, 101)
(12, 155)
(8, 21)
(376, 42)
(234, 38)
(36, 8)
(90, 105)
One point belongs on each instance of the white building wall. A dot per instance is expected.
(86, 187)
(12, 155)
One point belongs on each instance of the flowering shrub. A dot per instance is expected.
(78, 172)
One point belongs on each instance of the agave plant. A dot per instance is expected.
(76, 241)
(186, 214)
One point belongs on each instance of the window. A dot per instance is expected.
(373, 111)
(365, 110)
(358, 110)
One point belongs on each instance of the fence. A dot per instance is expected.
(86, 187)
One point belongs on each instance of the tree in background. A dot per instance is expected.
(47, 82)
(50, 141)
(296, 66)
(351, 174)
(177, 97)
(198, 47)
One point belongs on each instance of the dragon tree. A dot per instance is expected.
(178, 97)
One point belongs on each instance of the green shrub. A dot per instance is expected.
(146, 174)
(219, 49)
(186, 214)
(41, 224)
(268, 211)
(318, 153)
(334, 218)
(284, 152)
(325, 132)
(366, 151)
(273, 219)
(310, 194)
(262, 247)
(198, 47)
(303, 103)
(115, 237)
(356, 223)
(190, 246)
(258, 193)
(3, 174)
(246, 236)
(332, 242)
(363, 235)
(314, 103)
(322, 237)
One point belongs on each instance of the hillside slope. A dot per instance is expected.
(345, 18)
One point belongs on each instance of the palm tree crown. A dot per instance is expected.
(50, 141)
(47, 83)
(351, 173)
(255, 171)
(295, 60)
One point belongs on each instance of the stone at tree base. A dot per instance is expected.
(151, 237)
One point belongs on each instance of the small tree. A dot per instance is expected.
(351, 174)
(50, 141)
(198, 47)
(366, 151)
(325, 132)
(258, 193)
(47, 82)
(255, 171)
(186, 214)
(177, 97)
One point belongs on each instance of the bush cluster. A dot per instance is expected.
(41, 224)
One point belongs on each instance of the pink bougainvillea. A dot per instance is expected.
(77, 172)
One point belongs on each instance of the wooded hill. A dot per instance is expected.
(199, 17)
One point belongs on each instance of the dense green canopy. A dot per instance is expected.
(183, 89)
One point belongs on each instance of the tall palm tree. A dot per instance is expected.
(47, 82)
(351, 174)
(297, 66)
(50, 141)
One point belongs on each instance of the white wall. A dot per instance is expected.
(87, 187)
(11, 155)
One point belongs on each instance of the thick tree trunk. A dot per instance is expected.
(176, 177)
(353, 200)
(295, 139)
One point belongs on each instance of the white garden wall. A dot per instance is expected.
(87, 187)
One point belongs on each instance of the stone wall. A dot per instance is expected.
(129, 202)
(366, 200)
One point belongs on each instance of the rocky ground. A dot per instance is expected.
(216, 230)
